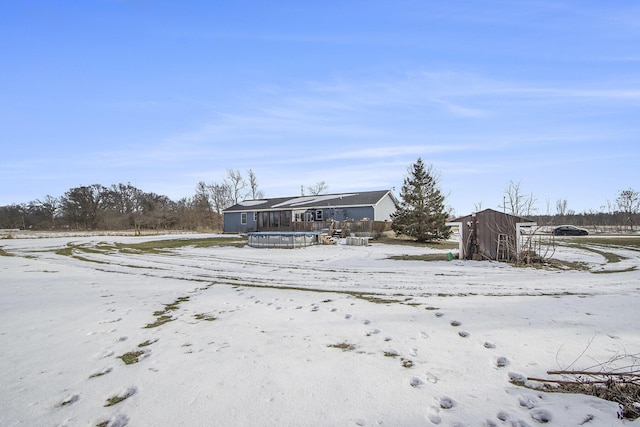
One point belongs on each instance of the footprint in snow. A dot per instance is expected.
(516, 378)
(69, 400)
(502, 416)
(416, 382)
(347, 316)
(488, 344)
(528, 401)
(541, 415)
(423, 334)
(432, 378)
(446, 402)
(105, 354)
(366, 321)
(102, 372)
(435, 419)
(110, 320)
(463, 334)
(413, 352)
(119, 420)
(502, 361)
(455, 323)
(123, 395)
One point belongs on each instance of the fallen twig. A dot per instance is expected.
(607, 374)
(620, 387)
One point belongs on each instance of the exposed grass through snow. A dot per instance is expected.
(4, 253)
(162, 246)
(344, 346)
(131, 357)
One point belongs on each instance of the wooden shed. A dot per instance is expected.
(490, 234)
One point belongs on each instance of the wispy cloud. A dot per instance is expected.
(363, 133)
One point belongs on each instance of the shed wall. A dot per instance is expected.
(489, 225)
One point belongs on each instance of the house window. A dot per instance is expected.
(274, 219)
(255, 217)
(243, 218)
(319, 215)
(285, 218)
(264, 219)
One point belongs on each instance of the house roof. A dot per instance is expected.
(361, 198)
(487, 211)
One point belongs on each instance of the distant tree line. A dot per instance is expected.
(615, 221)
(623, 214)
(126, 207)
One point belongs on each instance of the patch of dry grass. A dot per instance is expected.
(344, 346)
(4, 253)
(131, 357)
(403, 241)
(117, 399)
(424, 257)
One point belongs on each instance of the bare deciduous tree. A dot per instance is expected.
(318, 188)
(561, 207)
(49, 206)
(628, 203)
(516, 203)
(82, 205)
(256, 193)
(203, 202)
(236, 184)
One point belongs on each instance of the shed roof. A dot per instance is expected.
(492, 212)
(362, 198)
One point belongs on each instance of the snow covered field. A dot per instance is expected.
(321, 336)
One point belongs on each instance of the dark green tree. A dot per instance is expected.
(421, 214)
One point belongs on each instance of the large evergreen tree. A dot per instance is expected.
(421, 214)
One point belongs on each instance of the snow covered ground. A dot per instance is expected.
(321, 336)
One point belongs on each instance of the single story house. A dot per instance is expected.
(304, 213)
(490, 234)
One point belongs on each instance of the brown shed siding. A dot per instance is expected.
(489, 225)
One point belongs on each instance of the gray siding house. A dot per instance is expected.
(304, 213)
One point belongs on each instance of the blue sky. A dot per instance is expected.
(164, 94)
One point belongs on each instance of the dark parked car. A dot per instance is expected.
(569, 230)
